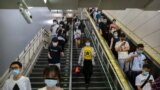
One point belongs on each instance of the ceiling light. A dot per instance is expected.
(57, 15)
(45, 1)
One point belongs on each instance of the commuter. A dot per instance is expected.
(82, 26)
(113, 26)
(98, 15)
(145, 79)
(54, 53)
(18, 81)
(66, 30)
(114, 39)
(103, 26)
(77, 37)
(52, 77)
(61, 38)
(136, 60)
(122, 47)
(86, 60)
(54, 28)
(156, 84)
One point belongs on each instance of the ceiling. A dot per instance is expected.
(75, 4)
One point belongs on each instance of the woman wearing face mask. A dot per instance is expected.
(52, 77)
(86, 60)
(145, 79)
(18, 82)
(55, 52)
(77, 36)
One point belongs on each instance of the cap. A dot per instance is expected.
(55, 39)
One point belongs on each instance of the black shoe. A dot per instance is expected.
(86, 85)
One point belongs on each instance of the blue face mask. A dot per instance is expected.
(15, 72)
(139, 51)
(50, 82)
(145, 73)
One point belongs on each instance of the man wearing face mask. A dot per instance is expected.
(54, 28)
(54, 53)
(18, 82)
(145, 79)
(86, 60)
(136, 60)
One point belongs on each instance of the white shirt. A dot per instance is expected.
(54, 29)
(77, 34)
(140, 79)
(81, 57)
(137, 62)
(45, 88)
(23, 83)
(122, 54)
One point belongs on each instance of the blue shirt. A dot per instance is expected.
(137, 62)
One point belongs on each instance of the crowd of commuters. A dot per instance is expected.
(132, 62)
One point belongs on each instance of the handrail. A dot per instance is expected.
(112, 60)
(136, 39)
(71, 51)
(25, 57)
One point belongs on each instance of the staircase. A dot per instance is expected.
(36, 77)
(97, 80)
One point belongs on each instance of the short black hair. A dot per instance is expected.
(146, 66)
(140, 46)
(16, 62)
(51, 68)
(122, 35)
(114, 20)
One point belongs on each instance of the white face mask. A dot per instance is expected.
(50, 82)
(115, 34)
(54, 23)
(54, 44)
(87, 43)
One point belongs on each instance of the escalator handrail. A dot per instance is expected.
(112, 60)
(135, 40)
(71, 51)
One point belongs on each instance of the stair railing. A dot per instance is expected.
(28, 56)
(71, 51)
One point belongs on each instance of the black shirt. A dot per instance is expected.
(55, 54)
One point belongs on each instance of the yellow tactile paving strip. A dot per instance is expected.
(111, 58)
(148, 49)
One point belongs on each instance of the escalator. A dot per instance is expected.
(36, 76)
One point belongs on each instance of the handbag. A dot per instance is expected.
(77, 70)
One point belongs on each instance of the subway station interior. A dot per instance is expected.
(79, 45)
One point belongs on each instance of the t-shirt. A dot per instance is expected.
(45, 88)
(140, 79)
(137, 62)
(55, 54)
(23, 84)
(54, 29)
(77, 34)
(122, 54)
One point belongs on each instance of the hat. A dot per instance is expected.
(55, 39)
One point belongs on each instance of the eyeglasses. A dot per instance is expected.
(14, 68)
